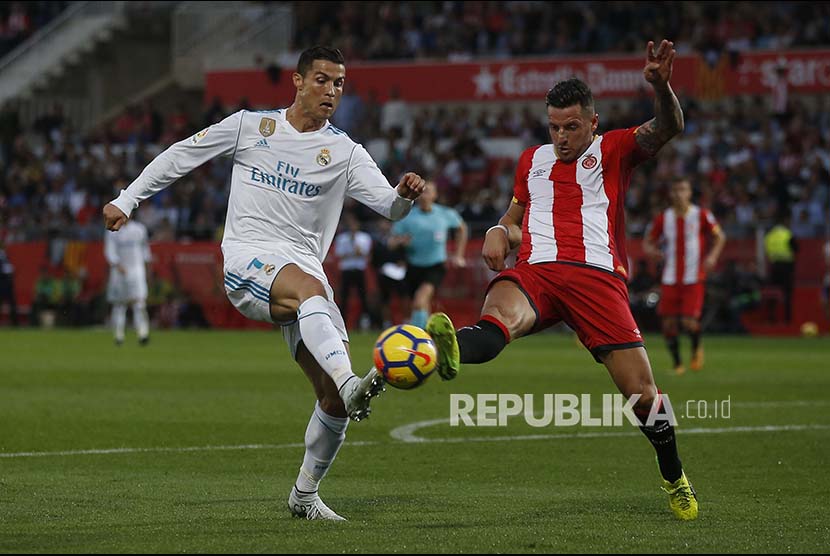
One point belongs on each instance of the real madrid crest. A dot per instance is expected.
(267, 126)
(324, 158)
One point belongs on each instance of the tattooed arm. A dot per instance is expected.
(668, 117)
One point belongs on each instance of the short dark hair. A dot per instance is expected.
(569, 92)
(318, 53)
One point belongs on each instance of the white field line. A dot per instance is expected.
(406, 434)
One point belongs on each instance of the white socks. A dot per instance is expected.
(323, 438)
(323, 341)
(140, 319)
(119, 321)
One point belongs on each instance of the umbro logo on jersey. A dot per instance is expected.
(538, 173)
(262, 143)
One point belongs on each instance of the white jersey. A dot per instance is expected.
(287, 187)
(127, 251)
(128, 247)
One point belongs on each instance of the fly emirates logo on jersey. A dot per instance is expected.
(286, 179)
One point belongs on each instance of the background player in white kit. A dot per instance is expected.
(128, 252)
(292, 171)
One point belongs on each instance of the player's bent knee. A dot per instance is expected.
(691, 325)
(310, 287)
(517, 322)
(294, 284)
(284, 305)
(331, 404)
(509, 305)
(647, 393)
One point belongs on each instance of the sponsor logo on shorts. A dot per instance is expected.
(269, 269)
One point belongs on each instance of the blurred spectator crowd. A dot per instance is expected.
(744, 164)
(749, 159)
(20, 20)
(462, 30)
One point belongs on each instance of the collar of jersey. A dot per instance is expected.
(283, 116)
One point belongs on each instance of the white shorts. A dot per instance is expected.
(126, 288)
(249, 274)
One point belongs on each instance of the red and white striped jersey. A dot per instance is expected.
(683, 242)
(575, 211)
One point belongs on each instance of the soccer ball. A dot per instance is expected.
(809, 330)
(405, 355)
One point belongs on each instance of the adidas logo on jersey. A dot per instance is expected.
(262, 143)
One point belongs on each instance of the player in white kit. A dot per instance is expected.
(292, 171)
(128, 253)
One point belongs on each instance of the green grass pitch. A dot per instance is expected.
(198, 440)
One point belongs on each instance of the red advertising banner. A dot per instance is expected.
(500, 80)
(193, 272)
(807, 72)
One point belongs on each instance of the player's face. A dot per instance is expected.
(571, 130)
(320, 89)
(681, 193)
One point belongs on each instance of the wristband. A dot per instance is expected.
(501, 227)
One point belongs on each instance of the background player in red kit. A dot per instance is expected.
(567, 216)
(678, 237)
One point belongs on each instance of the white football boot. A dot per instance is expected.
(309, 506)
(358, 393)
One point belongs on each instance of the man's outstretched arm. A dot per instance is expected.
(668, 116)
(178, 160)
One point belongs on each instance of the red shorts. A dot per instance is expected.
(591, 301)
(681, 300)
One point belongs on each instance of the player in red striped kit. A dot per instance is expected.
(567, 217)
(678, 237)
